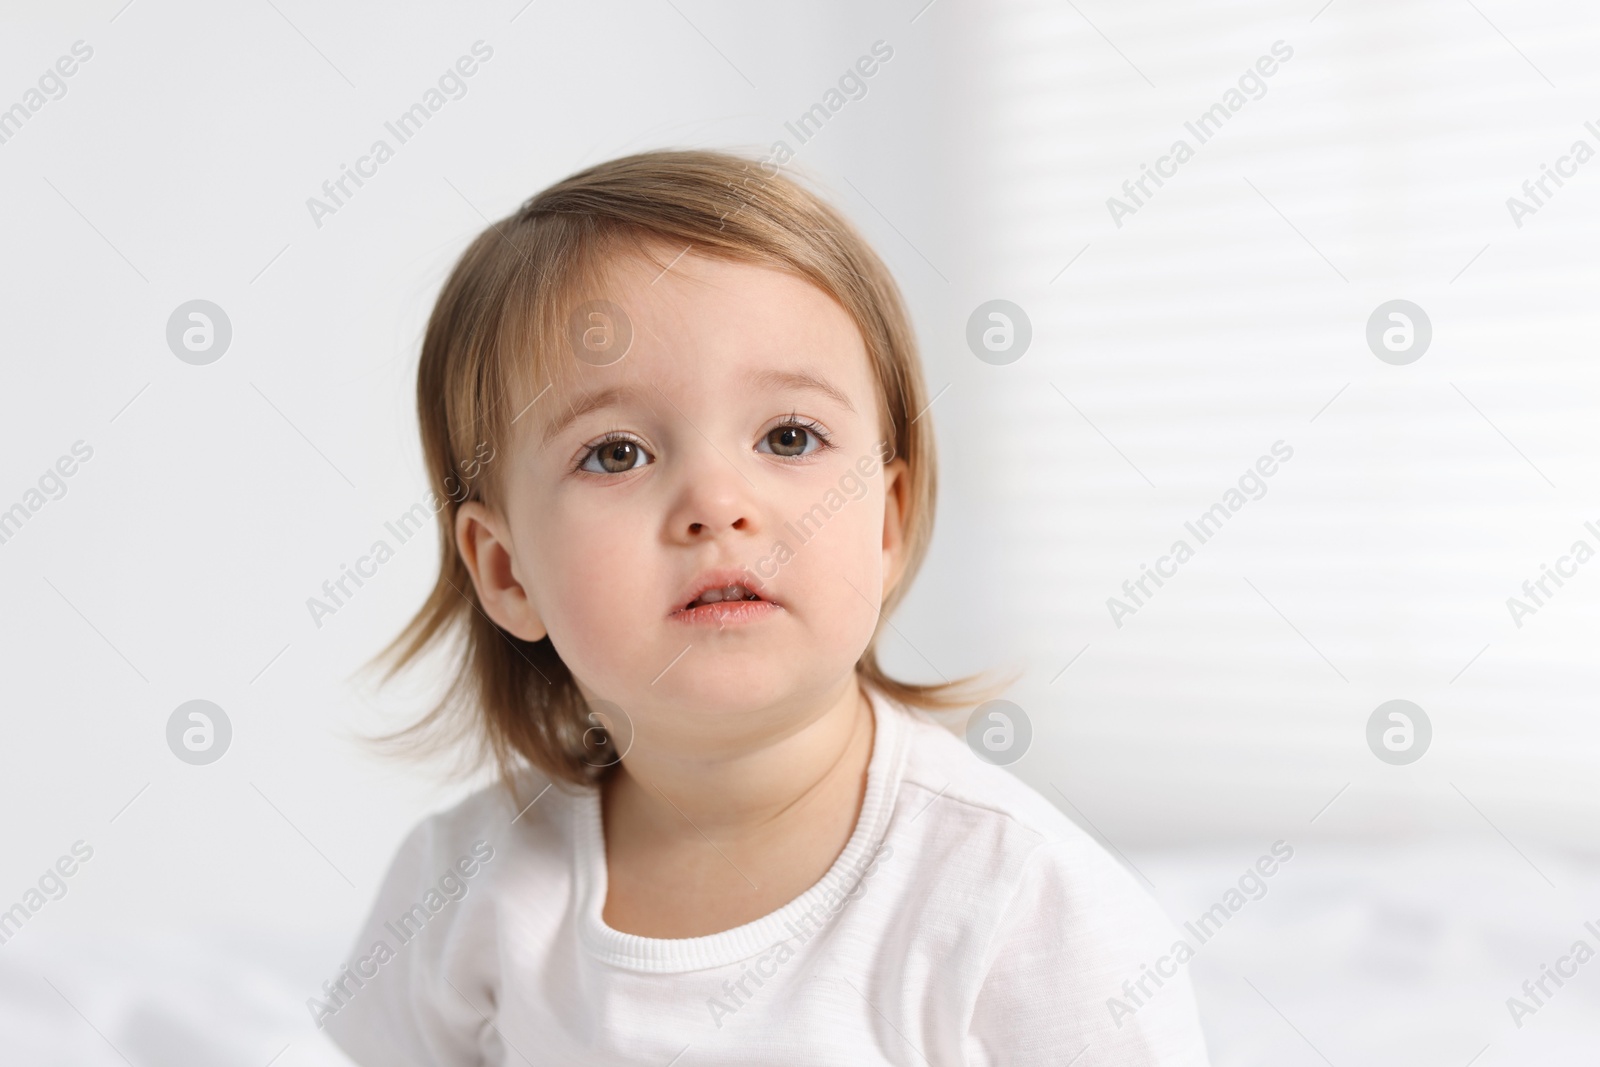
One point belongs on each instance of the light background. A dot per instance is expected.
(1168, 354)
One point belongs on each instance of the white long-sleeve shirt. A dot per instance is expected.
(966, 922)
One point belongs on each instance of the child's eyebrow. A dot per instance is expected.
(605, 398)
(801, 380)
(583, 405)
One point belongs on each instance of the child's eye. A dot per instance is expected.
(615, 456)
(792, 439)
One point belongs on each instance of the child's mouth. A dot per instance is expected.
(724, 604)
(723, 594)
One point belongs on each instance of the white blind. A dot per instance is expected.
(1229, 312)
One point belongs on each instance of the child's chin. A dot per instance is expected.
(733, 682)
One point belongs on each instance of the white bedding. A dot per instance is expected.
(1395, 955)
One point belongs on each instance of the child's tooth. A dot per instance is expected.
(727, 592)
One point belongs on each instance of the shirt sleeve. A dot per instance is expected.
(419, 985)
(1082, 970)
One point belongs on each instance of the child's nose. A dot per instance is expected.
(715, 499)
(710, 513)
(696, 528)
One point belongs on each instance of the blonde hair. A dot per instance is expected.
(493, 337)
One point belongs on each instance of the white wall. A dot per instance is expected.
(218, 498)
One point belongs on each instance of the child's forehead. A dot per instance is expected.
(682, 318)
(678, 371)
(667, 282)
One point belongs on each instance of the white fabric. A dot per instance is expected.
(966, 922)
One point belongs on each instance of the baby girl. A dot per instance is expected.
(674, 414)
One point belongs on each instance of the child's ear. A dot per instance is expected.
(896, 501)
(484, 540)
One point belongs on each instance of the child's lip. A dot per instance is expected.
(726, 613)
(721, 578)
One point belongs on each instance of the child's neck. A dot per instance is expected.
(699, 845)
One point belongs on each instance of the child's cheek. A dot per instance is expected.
(596, 582)
(836, 576)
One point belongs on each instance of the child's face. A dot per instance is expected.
(728, 446)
